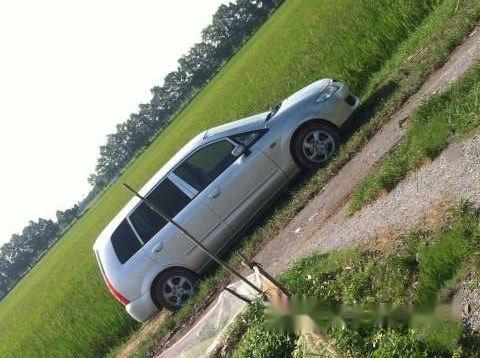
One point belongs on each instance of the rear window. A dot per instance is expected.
(167, 197)
(125, 242)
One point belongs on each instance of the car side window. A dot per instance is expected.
(146, 222)
(205, 165)
(124, 242)
(168, 198)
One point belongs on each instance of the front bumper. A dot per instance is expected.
(142, 308)
(341, 106)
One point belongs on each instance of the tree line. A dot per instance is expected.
(231, 26)
(22, 251)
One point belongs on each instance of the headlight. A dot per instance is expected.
(328, 92)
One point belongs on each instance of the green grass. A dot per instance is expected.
(411, 273)
(444, 118)
(61, 308)
(259, 341)
(433, 40)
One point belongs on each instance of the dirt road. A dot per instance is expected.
(323, 224)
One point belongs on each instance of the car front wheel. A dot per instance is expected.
(174, 287)
(314, 145)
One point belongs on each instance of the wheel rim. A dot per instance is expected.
(318, 146)
(177, 290)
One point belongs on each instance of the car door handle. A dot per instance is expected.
(157, 248)
(215, 193)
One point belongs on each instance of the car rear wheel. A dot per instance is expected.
(174, 287)
(314, 145)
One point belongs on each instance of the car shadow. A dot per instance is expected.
(261, 220)
(369, 107)
(470, 340)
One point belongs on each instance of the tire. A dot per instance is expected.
(173, 288)
(314, 145)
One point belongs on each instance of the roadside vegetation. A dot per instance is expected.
(444, 118)
(425, 50)
(418, 272)
(62, 308)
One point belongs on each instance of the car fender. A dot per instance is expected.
(282, 131)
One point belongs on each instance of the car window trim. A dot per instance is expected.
(188, 190)
(150, 191)
(228, 139)
(137, 235)
(127, 220)
(143, 243)
(181, 184)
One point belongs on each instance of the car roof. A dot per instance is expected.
(201, 139)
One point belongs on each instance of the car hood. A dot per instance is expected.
(312, 90)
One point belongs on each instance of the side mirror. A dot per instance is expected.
(240, 150)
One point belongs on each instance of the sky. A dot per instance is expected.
(69, 72)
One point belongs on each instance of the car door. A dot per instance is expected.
(235, 188)
(165, 243)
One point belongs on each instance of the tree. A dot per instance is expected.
(21, 252)
(231, 25)
(65, 218)
(199, 64)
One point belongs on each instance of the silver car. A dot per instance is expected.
(214, 187)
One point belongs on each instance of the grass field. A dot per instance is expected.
(424, 50)
(444, 118)
(62, 307)
(420, 270)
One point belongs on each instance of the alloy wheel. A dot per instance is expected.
(318, 146)
(177, 290)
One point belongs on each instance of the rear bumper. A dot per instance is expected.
(142, 308)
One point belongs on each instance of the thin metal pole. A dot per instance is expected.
(245, 260)
(192, 238)
(239, 296)
(270, 277)
(252, 264)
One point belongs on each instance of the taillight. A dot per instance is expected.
(121, 298)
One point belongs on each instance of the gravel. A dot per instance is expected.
(453, 176)
(466, 305)
(323, 225)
